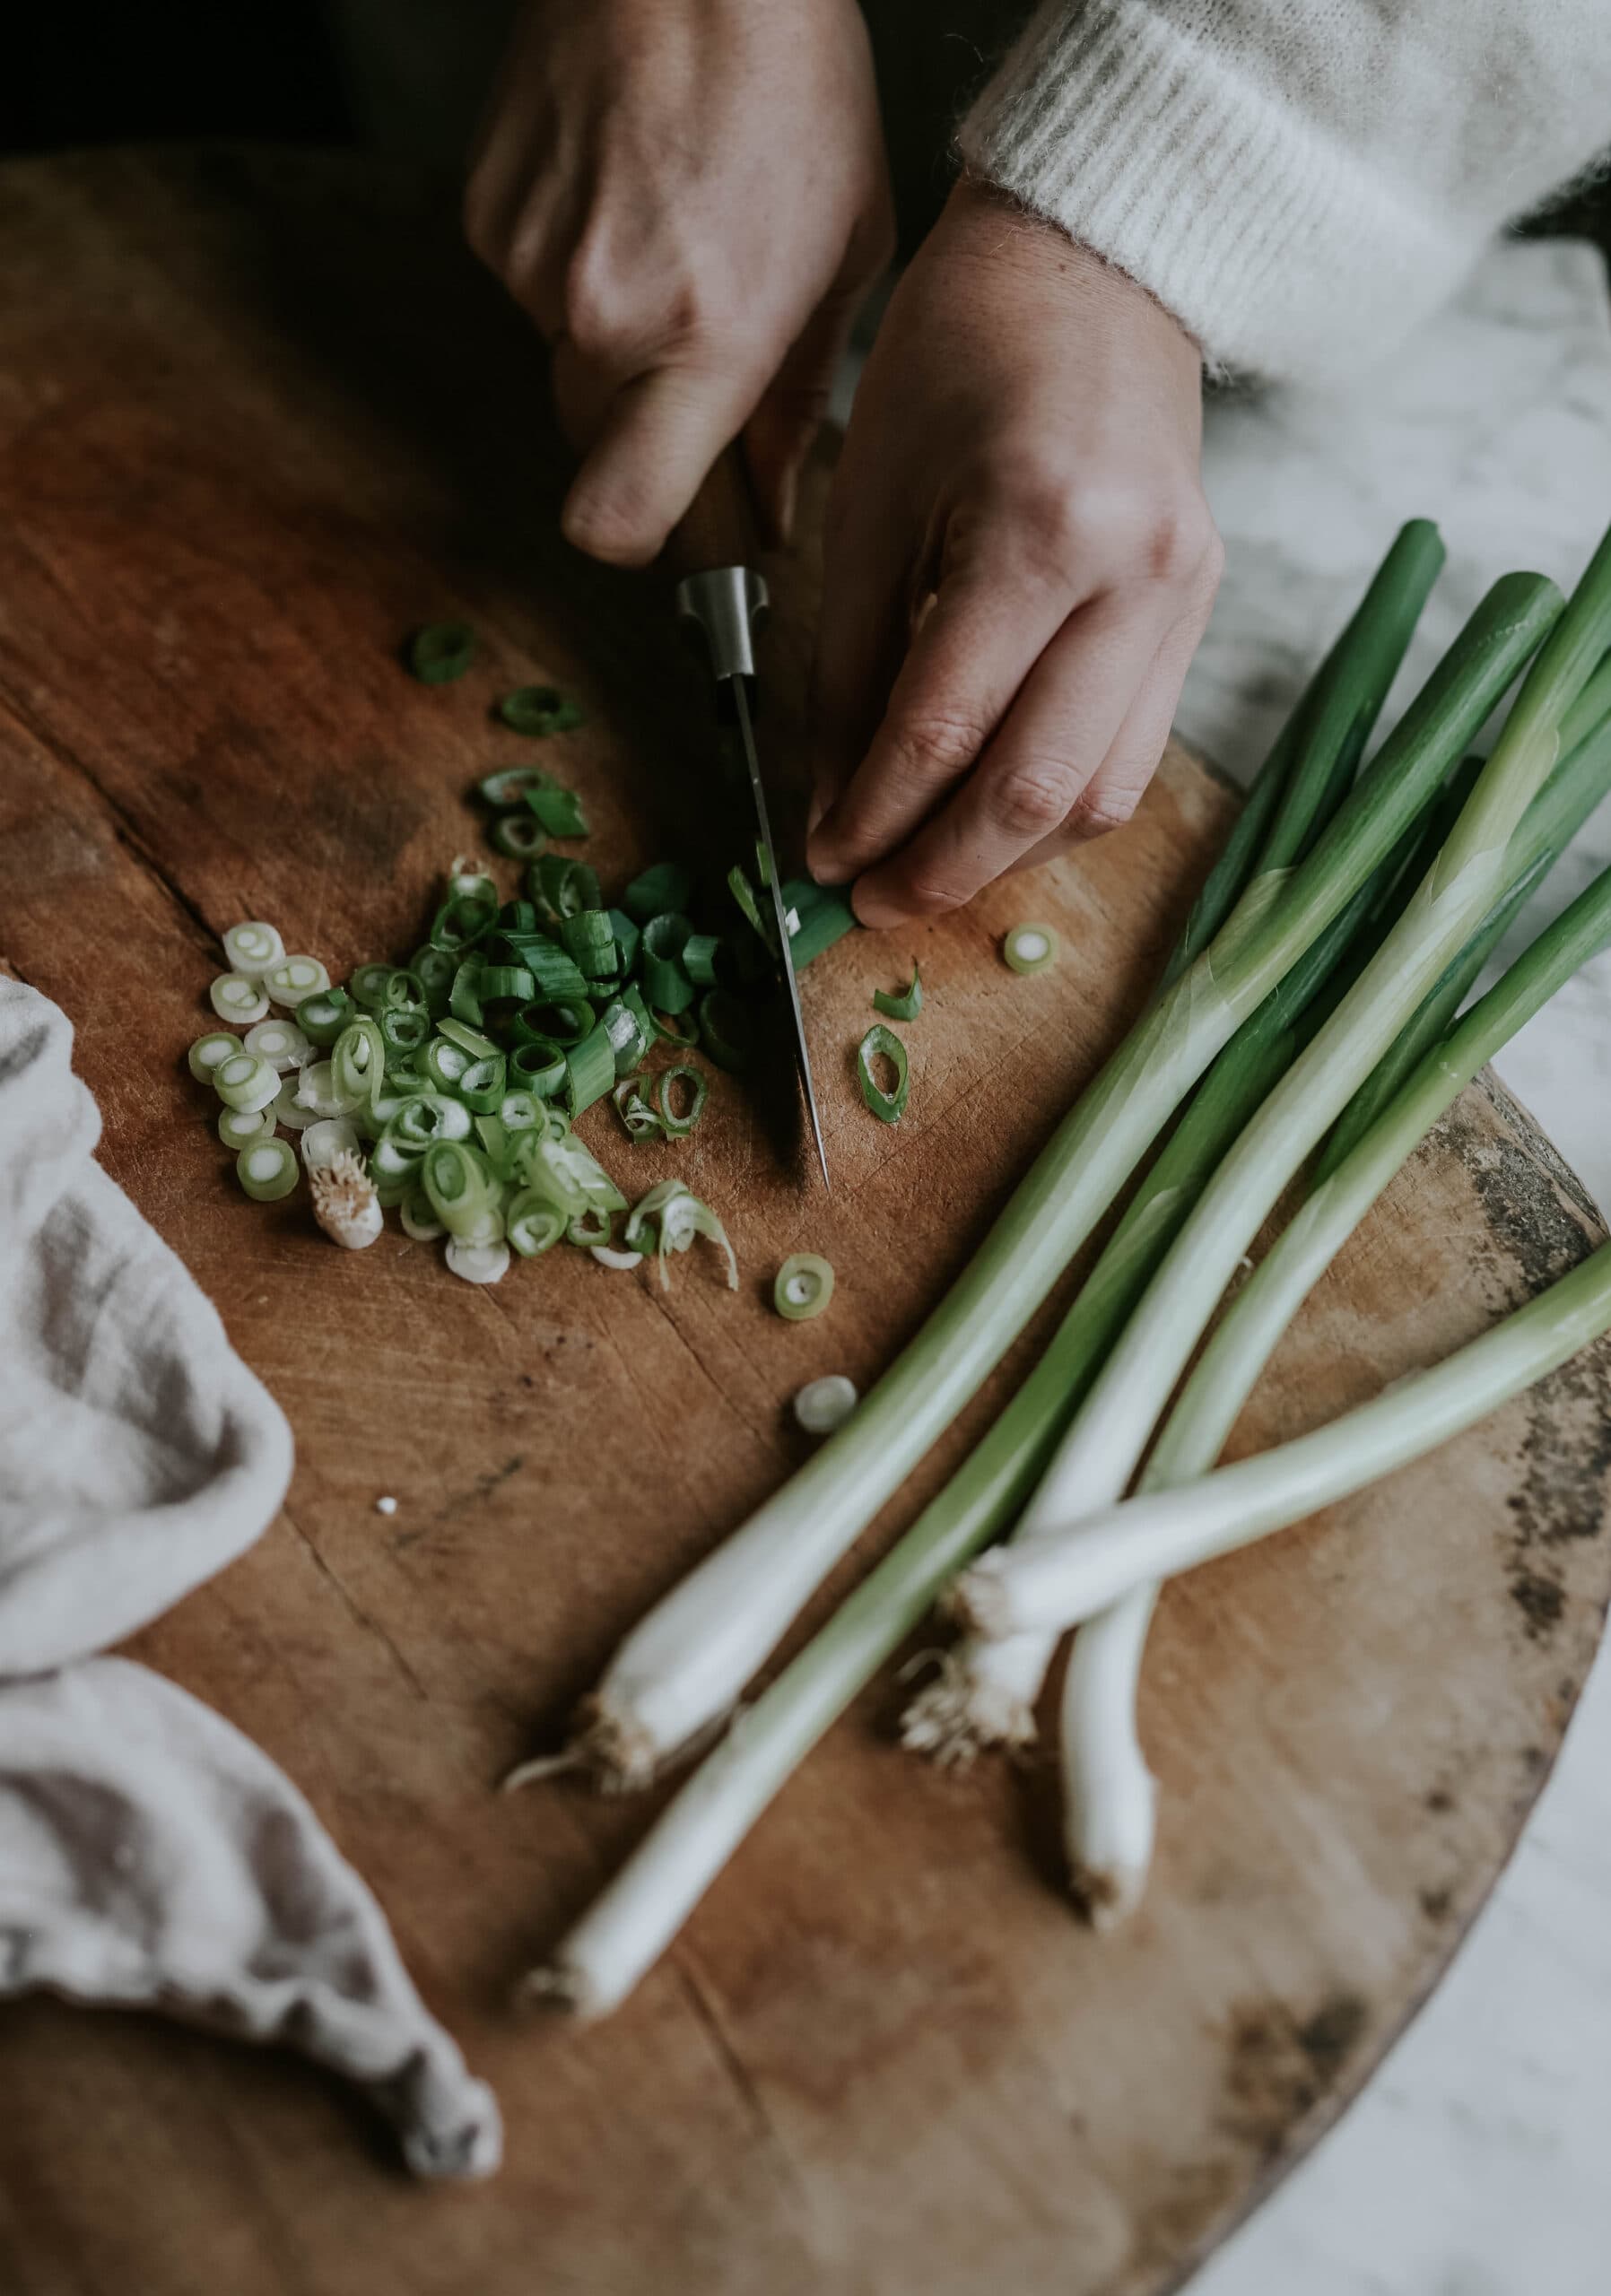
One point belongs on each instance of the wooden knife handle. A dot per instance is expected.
(719, 526)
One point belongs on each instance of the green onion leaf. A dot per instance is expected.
(441, 652)
(589, 1070)
(507, 983)
(558, 810)
(763, 920)
(661, 887)
(906, 1005)
(560, 887)
(627, 937)
(803, 1287)
(880, 1042)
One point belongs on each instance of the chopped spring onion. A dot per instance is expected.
(681, 1028)
(206, 1054)
(907, 1006)
(824, 918)
(327, 1138)
(404, 1035)
(565, 1022)
(678, 1127)
(607, 1256)
(419, 1221)
(558, 810)
(357, 1064)
(279, 1042)
(539, 710)
(629, 935)
(588, 940)
(315, 1090)
(592, 1228)
(726, 1028)
(803, 1287)
(554, 972)
(532, 1222)
(441, 651)
(663, 886)
(239, 1127)
(368, 984)
(251, 949)
(323, 1016)
(700, 957)
(292, 979)
(760, 918)
(245, 1082)
(540, 1064)
(626, 1022)
(266, 1170)
(823, 1405)
(509, 785)
(882, 1043)
(562, 887)
(464, 999)
(287, 1109)
(463, 919)
(1031, 948)
(482, 1085)
(478, 1262)
(639, 1120)
(666, 987)
(445, 1063)
(668, 1220)
(344, 1203)
(468, 1038)
(234, 997)
(589, 1070)
(521, 836)
(457, 1184)
(518, 1111)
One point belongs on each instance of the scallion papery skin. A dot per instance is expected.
(1108, 1795)
(688, 1661)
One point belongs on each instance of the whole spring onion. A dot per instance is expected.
(904, 1007)
(1109, 1790)
(803, 1287)
(882, 1044)
(1031, 948)
(688, 1661)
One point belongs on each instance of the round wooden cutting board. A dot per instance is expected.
(259, 416)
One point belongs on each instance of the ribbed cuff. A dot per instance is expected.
(1283, 254)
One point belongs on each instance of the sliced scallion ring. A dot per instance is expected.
(540, 1065)
(295, 977)
(287, 1109)
(239, 1127)
(419, 1221)
(250, 949)
(532, 1222)
(315, 1090)
(509, 785)
(589, 1070)
(518, 1111)
(726, 1028)
(325, 1139)
(678, 1127)
(268, 1169)
(880, 1042)
(823, 1405)
(521, 836)
(206, 1054)
(640, 1120)
(906, 1005)
(357, 1064)
(245, 1082)
(558, 810)
(323, 1016)
(539, 710)
(803, 1287)
(591, 1227)
(234, 997)
(607, 1256)
(1031, 948)
(279, 1042)
(441, 651)
(478, 1262)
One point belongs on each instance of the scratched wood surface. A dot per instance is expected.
(257, 417)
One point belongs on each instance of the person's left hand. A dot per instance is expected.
(1019, 565)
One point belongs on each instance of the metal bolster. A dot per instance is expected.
(727, 605)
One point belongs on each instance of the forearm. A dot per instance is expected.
(1298, 187)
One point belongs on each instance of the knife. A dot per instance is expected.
(718, 592)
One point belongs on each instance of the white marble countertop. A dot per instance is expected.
(1474, 2164)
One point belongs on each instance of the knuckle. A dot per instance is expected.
(1095, 812)
(934, 744)
(927, 894)
(1035, 796)
(1180, 544)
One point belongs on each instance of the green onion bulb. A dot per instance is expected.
(266, 1170)
(803, 1287)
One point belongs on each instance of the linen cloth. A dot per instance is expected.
(150, 1854)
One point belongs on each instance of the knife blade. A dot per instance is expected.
(721, 594)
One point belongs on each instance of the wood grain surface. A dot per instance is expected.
(259, 416)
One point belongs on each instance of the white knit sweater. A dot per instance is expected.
(1298, 180)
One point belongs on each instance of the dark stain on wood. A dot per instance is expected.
(1282, 2065)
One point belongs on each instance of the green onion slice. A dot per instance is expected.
(505, 984)
(245, 1083)
(482, 1085)
(532, 1222)
(589, 1070)
(315, 1090)
(519, 836)
(239, 1127)
(538, 710)
(1031, 948)
(540, 1065)
(461, 919)
(823, 1405)
(665, 885)
(286, 1108)
(700, 957)
(325, 1139)
(478, 1262)
(558, 810)
(468, 1040)
(824, 917)
(282, 1043)
(519, 1111)
(628, 935)
(565, 1022)
(889, 1107)
(268, 1169)
(509, 784)
(207, 1052)
(764, 923)
(457, 1184)
(464, 999)
(803, 1287)
(250, 949)
(234, 997)
(906, 1005)
(589, 941)
(426, 1118)
(295, 977)
(626, 1023)
(419, 1221)
(367, 986)
(669, 1218)
(357, 1064)
(726, 1028)
(323, 1016)
(441, 651)
(562, 887)
(640, 1120)
(590, 1229)
(678, 1127)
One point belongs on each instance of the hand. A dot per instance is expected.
(1019, 565)
(690, 198)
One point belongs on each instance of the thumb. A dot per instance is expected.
(660, 435)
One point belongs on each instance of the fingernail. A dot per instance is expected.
(874, 909)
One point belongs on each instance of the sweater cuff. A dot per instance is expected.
(1283, 254)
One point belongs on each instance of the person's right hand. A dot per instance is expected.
(690, 198)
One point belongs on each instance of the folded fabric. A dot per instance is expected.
(150, 1853)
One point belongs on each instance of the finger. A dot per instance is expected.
(656, 434)
(862, 631)
(966, 661)
(1116, 788)
(1035, 771)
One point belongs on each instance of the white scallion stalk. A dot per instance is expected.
(1107, 1794)
(687, 1664)
(1059, 1582)
(1102, 1448)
